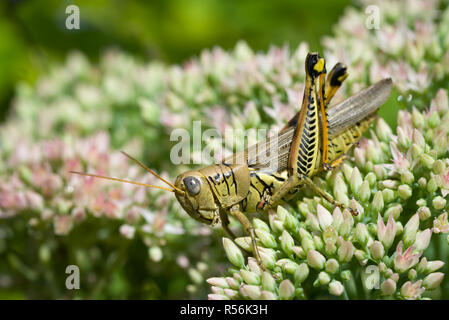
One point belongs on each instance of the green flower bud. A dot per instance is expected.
(237, 277)
(395, 211)
(301, 273)
(281, 213)
(330, 248)
(364, 191)
(433, 266)
(195, 275)
(355, 180)
(378, 202)
(439, 167)
(337, 217)
(346, 251)
(433, 280)
(417, 119)
(250, 277)
(303, 209)
(418, 138)
(336, 288)
(323, 278)
(348, 222)
(268, 257)
(383, 130)
(432, 185)
(361, 257)
(359, 157)
(410, 230)
(299, 251)
(426, 160)
(315, 259)
(217, 290)
(388, 183)
(433, 119)
(388, 195)
(407, 177)
(259, 224)
(268, 282)
(388, 287)
(277, 225)
(319, 245)
(287, 242)
(304, 234)
(267, 295)
(373, 154)
(233, 253)
(404, 191)
(230, 293)
(422, 183)
(232, 283)
(403, 138)
(361, 233)
(429, 135)
(332, 266)
(324, 217)
(422, 265)
(244, 243)
(218, 282)
(399, 228)
(291, 222)
(422, 239)
(342, 197)
(377, 250)
(345, 275)
(286, 290)
(266, 238)
(439, 203)
(417, 151)
(287, 265)
(254, 266)
(421, 202)
(312, 222)
(307, 244)
(347, 171)
(412, 274)
(371, 178)
(380, 171)
(251, 291)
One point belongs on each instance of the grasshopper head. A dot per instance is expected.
(315, 65)
(196, 197)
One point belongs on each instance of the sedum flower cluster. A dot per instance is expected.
(405, 40)
(133, 242)
(396, 247)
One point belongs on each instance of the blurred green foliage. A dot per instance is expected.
(33, 32)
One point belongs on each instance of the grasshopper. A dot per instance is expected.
(316, 139)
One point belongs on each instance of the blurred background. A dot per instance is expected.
(33, 32)
(35, 243)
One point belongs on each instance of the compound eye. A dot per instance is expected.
(193, 185)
